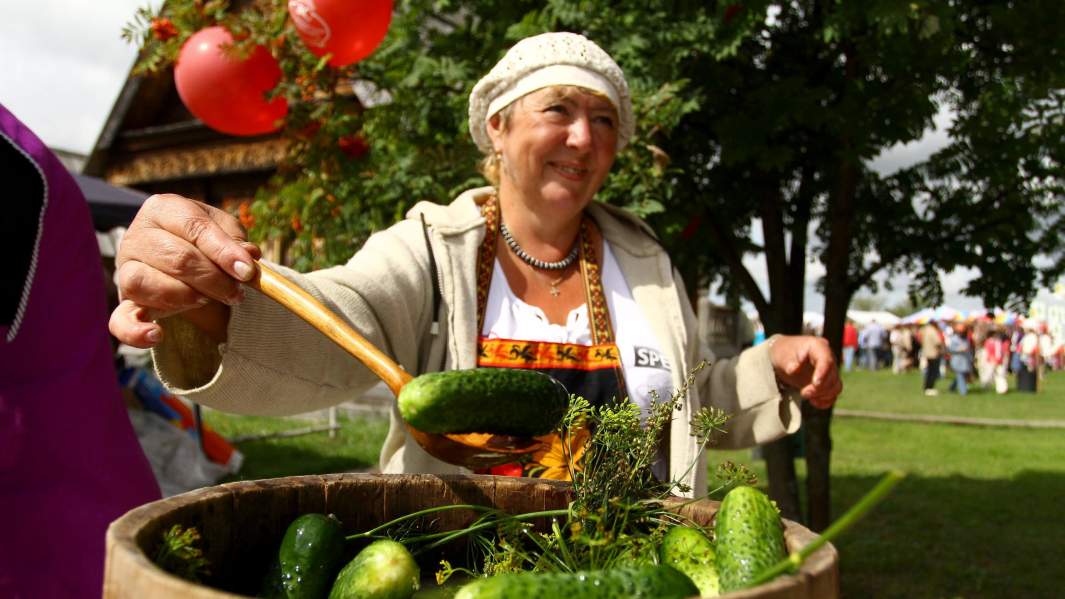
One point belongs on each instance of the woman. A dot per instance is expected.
(961, 358)
(932, 347)
(527, 273)
(1030, 362)
(996, 354)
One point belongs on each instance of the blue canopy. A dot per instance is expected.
(111, 206)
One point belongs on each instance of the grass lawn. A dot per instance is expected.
(977, 516)
(355, 446)
(884, 392)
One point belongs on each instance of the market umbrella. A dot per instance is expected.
(1006, 318)
(111, 206)
(947, 314)
(919, 317)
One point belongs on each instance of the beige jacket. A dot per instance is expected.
(275, 364)
(931, 343)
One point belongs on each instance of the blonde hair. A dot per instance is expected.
(491, 165)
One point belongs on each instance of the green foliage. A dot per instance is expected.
(755, 110)
(617, 516)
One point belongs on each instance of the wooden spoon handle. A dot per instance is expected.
(303, 304)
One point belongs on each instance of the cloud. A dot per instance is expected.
(65, 65)
(901, 156)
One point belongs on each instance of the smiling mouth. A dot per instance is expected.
(570, 171)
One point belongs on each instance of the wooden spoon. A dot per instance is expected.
(473, 450)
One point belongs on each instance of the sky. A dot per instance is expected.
(66, 63)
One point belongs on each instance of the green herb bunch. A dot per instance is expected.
(619, 514)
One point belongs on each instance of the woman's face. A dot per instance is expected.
(557, 145)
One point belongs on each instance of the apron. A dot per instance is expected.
(591, 371)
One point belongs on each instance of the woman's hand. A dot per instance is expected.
(806, 363)
(179, 256)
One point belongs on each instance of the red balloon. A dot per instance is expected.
(227, 93)
(349, 29)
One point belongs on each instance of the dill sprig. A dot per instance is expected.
(618, 464)
(179, 554)
(618, 515)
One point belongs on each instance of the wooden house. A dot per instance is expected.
(151, 142)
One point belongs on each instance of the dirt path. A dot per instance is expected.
(958, 420)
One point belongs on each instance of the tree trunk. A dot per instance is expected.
(783, 484)
(841, 214)
(781, 317)
(816, 423)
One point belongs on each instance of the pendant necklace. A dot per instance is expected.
(540, 264)
(554, 286)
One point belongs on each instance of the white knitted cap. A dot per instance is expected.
(547, 60)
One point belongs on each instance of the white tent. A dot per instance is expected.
(947, 313)
(944, 313)
(864, 317)
(813, 319)
(919, 317)
(860, 318)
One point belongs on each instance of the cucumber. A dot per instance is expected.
(689, 550)
(505, 401)
(647, 581)
(749, 537)
(383, 570)
(311, 552)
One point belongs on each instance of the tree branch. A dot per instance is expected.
(770, 210)
(863, 277)
(796, 272)
(728, 246)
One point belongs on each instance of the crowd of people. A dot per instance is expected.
(979, 352)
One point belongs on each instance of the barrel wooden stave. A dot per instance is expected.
(242, 523)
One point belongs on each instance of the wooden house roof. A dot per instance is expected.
(150, 137)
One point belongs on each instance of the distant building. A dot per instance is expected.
(1050, 308)
(727, 331)
(151, 142)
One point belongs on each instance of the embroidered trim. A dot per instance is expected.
(31, 273)
(598, 312)
(486, 256)
(517, 353)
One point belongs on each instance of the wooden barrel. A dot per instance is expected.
(242, 523)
